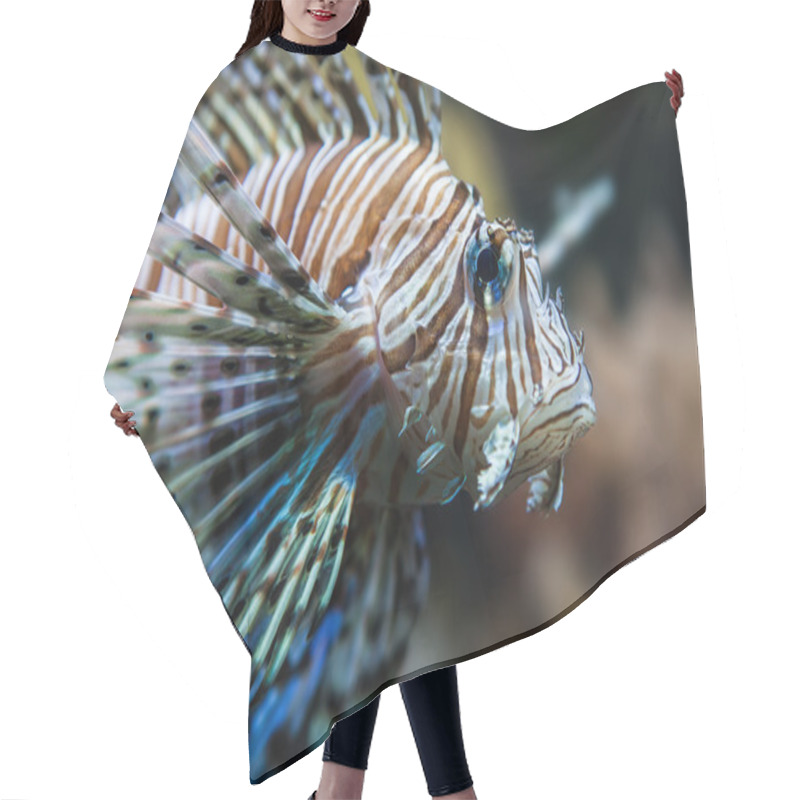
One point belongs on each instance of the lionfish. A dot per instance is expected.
(326, 334)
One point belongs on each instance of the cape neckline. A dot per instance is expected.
(315, 49)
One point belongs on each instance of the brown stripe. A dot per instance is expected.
(411, 87)
(539, 428)
(398, 357)
(291, 196)
(479, 422)
(401, 316)
(299, 112)
(222, 130)
(523, 374)
(350, 264)
(427, 337)
(310, 210)
(220, 239)
(476, 347)
(420, 344)
(359, 120)
(154, 277)
(511, 394)
(555, 345)
(430, 337)
(530, 338)
(567, 387)
(412, 262)
(398, 234)
(373, 150)
(342, 342)
(273, 180)
(442, 379)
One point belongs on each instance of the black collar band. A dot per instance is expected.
(314, 49)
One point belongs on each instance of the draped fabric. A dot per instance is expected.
(419, 381)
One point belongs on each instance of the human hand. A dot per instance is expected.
(122, 419)
(675, 82)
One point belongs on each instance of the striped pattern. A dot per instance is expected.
(327, 332)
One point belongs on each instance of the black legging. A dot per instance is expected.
(432, 706)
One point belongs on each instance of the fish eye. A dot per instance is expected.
(486, 268)
(489, 270)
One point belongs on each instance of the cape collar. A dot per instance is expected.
(316, 49)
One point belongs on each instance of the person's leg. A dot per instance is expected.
(345, 755)
(433, 710)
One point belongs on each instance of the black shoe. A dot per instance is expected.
(313, 795)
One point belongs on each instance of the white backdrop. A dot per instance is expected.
(120, 674)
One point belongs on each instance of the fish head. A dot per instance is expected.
(526, 383)
(498, 386)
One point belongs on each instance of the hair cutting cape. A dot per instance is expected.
(418, 380)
